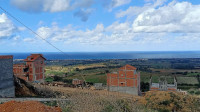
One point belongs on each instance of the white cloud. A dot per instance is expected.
(16, 38)
(150, 27)
(44, 32)
(56, 5)
(29, 5)
(174, 17)
(50, 5)
(29, 40)
(133, 11)
(115, 33)
(6, 27)
(117, 27)
(82, 3)
(83, 14)
(21, 28)
(115, 3)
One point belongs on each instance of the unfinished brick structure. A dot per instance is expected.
(32, 70)
(20, 70)
(163, 85)
(126, 80)
(7, 88)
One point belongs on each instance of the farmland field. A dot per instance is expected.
(94, 71)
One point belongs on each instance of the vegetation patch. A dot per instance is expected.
(171, 101)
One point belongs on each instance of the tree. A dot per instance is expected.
(57, 78)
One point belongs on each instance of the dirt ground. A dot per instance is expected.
(70, 91)
(27, 106)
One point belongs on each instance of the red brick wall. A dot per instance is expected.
(39, 68)
(18, 70)
(36, 69)
(123, 78)
(30, 72)
(77, 82)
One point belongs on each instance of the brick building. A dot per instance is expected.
(33, 70)
(7, 88)
(126, 80)
(77, 82)
(20, 71)
(163, 85)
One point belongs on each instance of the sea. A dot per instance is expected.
(111, 55)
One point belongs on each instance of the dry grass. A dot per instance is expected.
(72, 68)
(98, 102)
(84, 100)
(90, 66)
(171, 101)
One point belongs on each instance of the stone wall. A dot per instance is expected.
(129, 90)
(7, 88)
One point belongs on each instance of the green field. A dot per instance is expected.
(94, 71)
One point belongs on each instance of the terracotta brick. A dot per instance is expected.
(35, 65)
(124, 77)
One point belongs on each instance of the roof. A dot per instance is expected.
(6, 56)
(19, 64)
(33, 57)
(128, 67)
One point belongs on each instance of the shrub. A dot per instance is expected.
(197, 92)
(57, 78)
(69, 81)
(171, 101)
(191, 92)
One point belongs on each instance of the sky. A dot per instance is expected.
(100, 25)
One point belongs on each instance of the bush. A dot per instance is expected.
(77, 69)
(191, 92)
(197, 92)
(69, 81)
(57, 78)
(49, 79)
(171, 101)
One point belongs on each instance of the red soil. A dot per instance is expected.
(27, 106)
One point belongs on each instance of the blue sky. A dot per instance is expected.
(100, 25)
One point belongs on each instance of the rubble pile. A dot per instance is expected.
(23, 88)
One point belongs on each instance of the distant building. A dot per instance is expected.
(77, 82)
(33, 70)
(98, 86)
(126, 80)
(7, 88)
(163, 85)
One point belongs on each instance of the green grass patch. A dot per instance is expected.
(96, 79)
(49, 79)
(54, 72)
(193, 74)
(187, 80)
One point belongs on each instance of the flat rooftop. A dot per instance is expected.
(6, 56)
